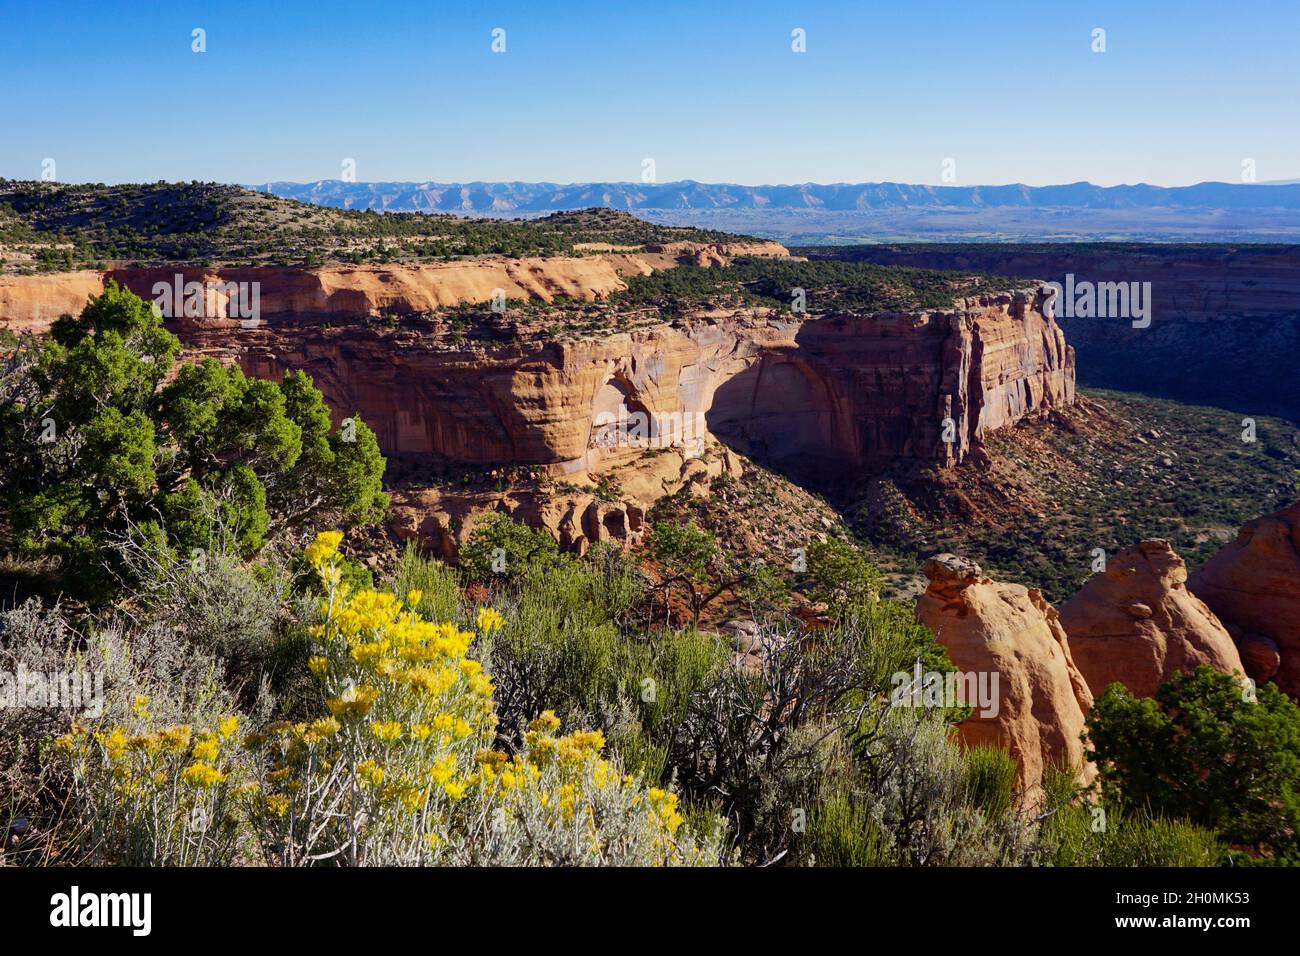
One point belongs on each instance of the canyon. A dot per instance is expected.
(826, 396)
(1224, 327)
(485, 406)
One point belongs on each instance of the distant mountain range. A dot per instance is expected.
(482, 197)
(854, 212)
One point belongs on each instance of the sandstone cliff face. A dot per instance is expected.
(1253, 585)
(826, 396)
(842, 393)
(1138, 625)
(831, 394)
(1011, 630)
(32, 302)
(1224, 327)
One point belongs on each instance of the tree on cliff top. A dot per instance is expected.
(100, 441)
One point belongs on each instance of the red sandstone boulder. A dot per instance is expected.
(1253, 584)
(1260, 657)
(1138, 625)
(1011, 630)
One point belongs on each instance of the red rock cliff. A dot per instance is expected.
(831, 392)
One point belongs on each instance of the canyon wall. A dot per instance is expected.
(831, 395)
(1225, 324)
(32, 302)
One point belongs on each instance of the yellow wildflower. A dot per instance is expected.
(442, 771)
(202, 775)
(353, 702)
(545, 721)
(454, 789)
(176, 739)
(205, 748)
(325, 727)
(489, 620)
(324, 547)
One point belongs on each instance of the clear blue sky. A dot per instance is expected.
(711, 91)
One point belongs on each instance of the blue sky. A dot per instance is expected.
(1012, 92)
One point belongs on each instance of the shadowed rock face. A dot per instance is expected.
(1011, 630)
(1253, 585)
(1224, 327)
(1138, 625)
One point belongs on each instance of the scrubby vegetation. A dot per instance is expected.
(827, 287)
(54, 227)
(419, 723)
(188, 684)
(1204, 749)
(1106, 473)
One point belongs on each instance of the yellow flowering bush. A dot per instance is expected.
(402, 771)
(399, 768)
(159, 795)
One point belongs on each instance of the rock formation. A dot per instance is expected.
(816, 395)
(990, 627)
(33, 302)
(1224, 329)
(843, 393)
(441, 518)
(1137, 624)
(1253, 585)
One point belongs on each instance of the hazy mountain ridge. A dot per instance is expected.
(502, 197)
(812, 213)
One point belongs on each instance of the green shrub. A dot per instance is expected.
(99, 442)
(991, 780)
(1076, 833)
(501, 549)
(1204, 750)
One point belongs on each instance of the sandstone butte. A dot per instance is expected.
(1137, 624)
(1012, 630)
(1253, 585)
(838, 392)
